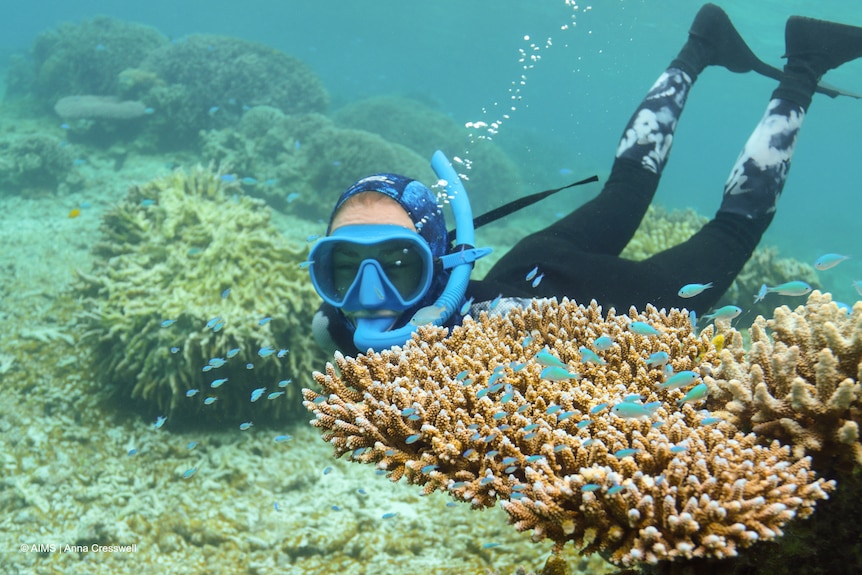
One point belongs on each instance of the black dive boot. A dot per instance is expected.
(814, 47)
(713, 40)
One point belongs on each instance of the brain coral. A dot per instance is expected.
(612, 461)
(193, 285)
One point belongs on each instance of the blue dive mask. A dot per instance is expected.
(371, 267)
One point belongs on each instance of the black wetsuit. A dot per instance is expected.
(579, 254)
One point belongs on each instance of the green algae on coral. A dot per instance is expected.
(169, 252)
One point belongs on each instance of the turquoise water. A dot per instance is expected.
(463, 58)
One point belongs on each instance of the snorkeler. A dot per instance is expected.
(387, 263)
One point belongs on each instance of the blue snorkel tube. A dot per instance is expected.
(371, 332)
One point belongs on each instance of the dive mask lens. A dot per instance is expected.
(393, 261)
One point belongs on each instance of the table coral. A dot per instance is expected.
(475, 413)
(800, 380)
(193, 285)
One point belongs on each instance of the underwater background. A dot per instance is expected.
(80, 467)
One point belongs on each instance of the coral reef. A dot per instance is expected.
(799, 381)
(33, 164)
(192, 286)
(661, 229)
(489, 174)
(612, 461)
(208, 81)
(304, 159)
(82, 58)
(98, 107)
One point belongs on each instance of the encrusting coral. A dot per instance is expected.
(193, 289)
(799, 381)
(578, 447)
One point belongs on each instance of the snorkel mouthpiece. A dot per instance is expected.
(372, 332)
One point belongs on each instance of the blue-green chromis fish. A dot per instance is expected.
(696, 393)
(658, 359)
(589, 356)
(547, 359)
(643, 328)
(691, 290)
(726, 313)
(794, 288)
(557, 373)
(630, 410)
(678, 380)
(827, 261)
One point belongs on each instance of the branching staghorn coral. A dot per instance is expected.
(193, 285)
(799, 382)
(478, 414)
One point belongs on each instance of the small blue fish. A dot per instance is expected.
(249, 365)
(643, 328)
(275, 395)
(711, 420)
(245, 426)
(257, 393)
(547, 359)
(532, 273)
(212, 111)
(389, 515)
(678, 380)
(633, 397)
(175, 349)
(696, 393)
(794, 288)
(218, 382)
(598, 408)
(305, 264)
(284, 382)
(281, 353)
(626, 452)
(265, 351)
(761, 293)
(490, 545)
(211, 323)
(537, 280)
(603, 343)
(217, 362)
(312, 238)
(557, 373)
(465, 307)
(678, 449)
(725, 313)
(168, 322)
(160, 421)
(565, 415)
(413, 438)
(283, 438)
(429, 468)
(132, 452)
(857, 285)
(233, 352)
(658, 359)
(428, 314)
(495, 302)
(275, 506)
(590, 487)
(192, 392)
(827, 261)
(225, 293)
(210, 400)
(188, 473)
(264, 321)
(191, 445)
(291, 197)
(615, 489)
(589, 356)
(691, 290)
(630, 410)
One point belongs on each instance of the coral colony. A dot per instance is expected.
(612, 457)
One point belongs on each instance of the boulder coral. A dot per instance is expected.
(195, 302)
